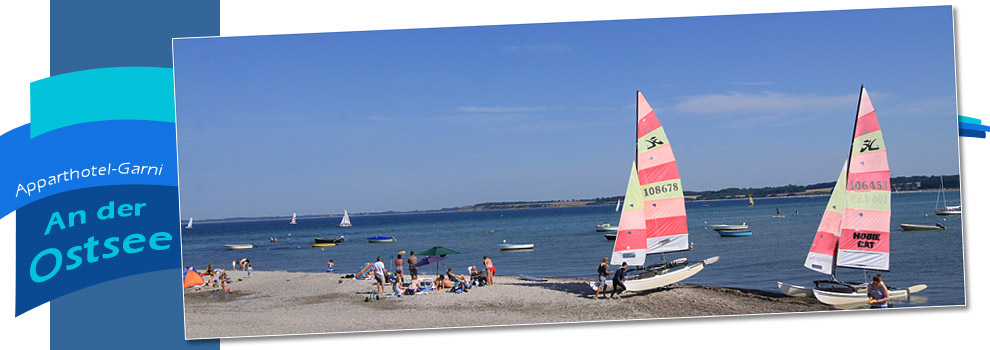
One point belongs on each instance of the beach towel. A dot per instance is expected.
(363, 272)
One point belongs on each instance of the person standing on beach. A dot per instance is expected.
(414, 272)
(602, 278)
(249, 270)
(489, 271)
(617, 282)
(398, 269)
(878, 293)
(379, 268)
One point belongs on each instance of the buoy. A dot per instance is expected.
(297, 247)
(321, 249)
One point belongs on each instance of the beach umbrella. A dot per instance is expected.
(437, 251)
(430, 260)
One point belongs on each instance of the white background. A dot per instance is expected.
(25, 58)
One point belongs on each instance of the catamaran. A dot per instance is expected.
(346, 220)
(946, 209)
(855, 229)
(293, 222)
(189, 225)
(653, 219)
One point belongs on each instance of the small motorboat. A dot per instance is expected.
(323, 245)
(954, 210)
(735, 233)
(730, 227)
(606, 228)
(917, 227)
(239, 246)
(611, 235)
(329, 240)
(381, 239)
(513, 246)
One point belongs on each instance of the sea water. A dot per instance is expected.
(566, 244)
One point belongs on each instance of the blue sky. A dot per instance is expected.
(432, 118)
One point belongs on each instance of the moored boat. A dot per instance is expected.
(239, 246)
(735, 233)
(381, 239)
(918, 227)
(329, 240)
(946, 209)
(730, 227)
(515, 246)
(611, 235)
(606, 228)
(322, 245)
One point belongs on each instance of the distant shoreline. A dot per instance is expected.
(516, 206)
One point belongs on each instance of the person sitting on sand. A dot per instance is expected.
(618, 279)
(209, 270)
(453, 277)
(379, 268)
(413, 287)
(602, 278)
(443, 283)
(396, 286)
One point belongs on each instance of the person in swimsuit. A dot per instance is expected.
(489, 271)
(878, 293)
(413, 287)
(602, 278)
(249, 270)
(443, 283)
(398, 269)
(413, 272)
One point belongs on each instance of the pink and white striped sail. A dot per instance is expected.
(821, 256)
(660, 183)
(630, 239)
(864, 241)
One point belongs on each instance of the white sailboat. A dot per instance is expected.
(618, 205)
(653, 219)
(946, 209)
(293, 222)
(189, 225)
(346, 220)
(855, 229)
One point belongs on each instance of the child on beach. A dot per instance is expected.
(250, 269)
(330, 266)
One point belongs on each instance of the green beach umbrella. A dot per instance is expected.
(437, 251)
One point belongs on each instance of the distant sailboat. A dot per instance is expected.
(946, 209)
(855, 229)
(293, 222)
(618, 204)
(189, 225)
(345, 221)
(751, 201)
(653, 220)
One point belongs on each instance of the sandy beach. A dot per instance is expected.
(279, 302)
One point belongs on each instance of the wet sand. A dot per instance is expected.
(279, 302)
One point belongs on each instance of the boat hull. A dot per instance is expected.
(913, 227)
(611, 236)
(238, 246)
(735, 233)
(323, 245)
(607, 229)
(729, 227)
(658, 280)
(515, 246)
(329, 240)
(945, 212)
(839, 299)
(795, 291)
(381, 239)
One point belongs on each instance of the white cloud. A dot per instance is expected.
(766, 102)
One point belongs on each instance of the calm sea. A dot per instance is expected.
(568, 246)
